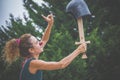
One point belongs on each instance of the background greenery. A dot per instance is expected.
(102, 29)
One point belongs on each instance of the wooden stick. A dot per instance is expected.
(81, 35)
(78, 43)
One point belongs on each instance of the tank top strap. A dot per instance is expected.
(25, 63)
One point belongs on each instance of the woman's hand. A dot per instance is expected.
(82, 48)
(49, 18)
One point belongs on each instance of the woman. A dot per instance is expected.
(30, 48)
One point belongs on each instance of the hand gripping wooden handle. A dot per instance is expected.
(81, 35)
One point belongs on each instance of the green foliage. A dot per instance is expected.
(112, 45)
(60, 45)
(96, 51)
(103, 52)
(103, 63)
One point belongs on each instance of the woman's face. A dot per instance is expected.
(37, 48)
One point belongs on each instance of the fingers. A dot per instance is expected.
(85, 46)
(48, 18)
(44, 17)
(82, 47)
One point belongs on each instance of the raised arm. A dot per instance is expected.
(43, 65)
(47, 31)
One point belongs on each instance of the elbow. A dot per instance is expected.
(63, 65)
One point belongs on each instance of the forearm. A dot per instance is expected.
(47, 32)
(43, 65)
(67, 60)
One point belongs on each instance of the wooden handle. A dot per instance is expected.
(84, 56)
(78, 43)
(81, 35)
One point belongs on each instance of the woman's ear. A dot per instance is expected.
(31, 50)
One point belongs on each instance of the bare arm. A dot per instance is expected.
(47, 31)
(43, 65)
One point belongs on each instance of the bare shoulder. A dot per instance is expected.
(44, 65)
(35, 63)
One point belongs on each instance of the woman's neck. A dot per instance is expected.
(36, 56)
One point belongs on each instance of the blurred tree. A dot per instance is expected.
(103, 52)
(61, 41)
